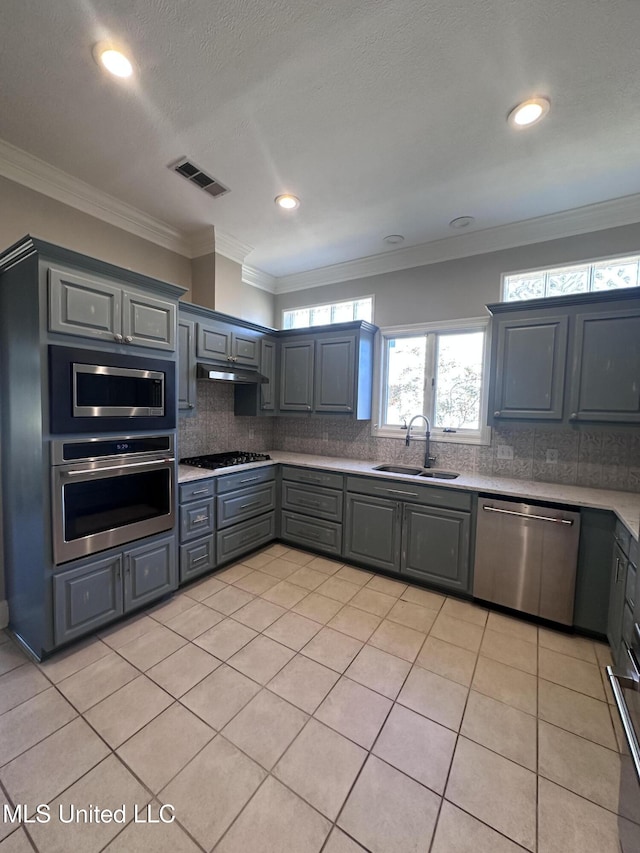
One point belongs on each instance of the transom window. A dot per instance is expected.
(609, 274)
(324, 315)
(437, 370)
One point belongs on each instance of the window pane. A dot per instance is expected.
(363, 309)
(622, 273)
(524, 287)
(296, 319)
(568, 280)
(342, 312)
(320, 316)
(405, 379)
(458, 380)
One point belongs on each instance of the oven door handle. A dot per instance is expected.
(625, 717)
(88, 472)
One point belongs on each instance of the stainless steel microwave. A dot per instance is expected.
(94, 391)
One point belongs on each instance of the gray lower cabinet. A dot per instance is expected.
(616, 599)
(197, 529)
(100, 590)
(245, 503)
(245, 508)
(623, 611)
(88, 307)
(312, 514)
(435, 545)
(593, 577)
(372, 531)
(246, 536)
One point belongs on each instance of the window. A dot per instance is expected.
(608, 274)
(324, 315)
(437, 370)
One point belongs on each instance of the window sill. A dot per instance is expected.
(483, 438)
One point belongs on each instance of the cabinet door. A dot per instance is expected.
(530, 368)
(214, 341)
(196, 519)
(87, 597)
(196, 558)
(372, 532)
(268, 369)
(296, 376)
(149, 572)
(148, 322)
(335, 374)
(435, 546)
(606, 368)
(245, 348)
(84, 306)
(616, 600)
(186, 365)
(244, 537)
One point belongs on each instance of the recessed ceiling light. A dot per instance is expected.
(113, 60)
(394, 239)
(529, 112)
(287, 201)
(462, 222)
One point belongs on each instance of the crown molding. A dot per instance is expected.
(567, 223)
(31, 172)
(231, 247)
(258, 278)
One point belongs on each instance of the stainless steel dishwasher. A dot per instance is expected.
(526, 557)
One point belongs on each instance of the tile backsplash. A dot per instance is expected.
(607, 458)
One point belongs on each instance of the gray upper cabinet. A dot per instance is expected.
(296, 376)
(186, 364)
(328, 370)
(605, 383)
(92, 308)
(567, 359)
(219, 341)
(530, 368)
(334, 374)
(268, 354)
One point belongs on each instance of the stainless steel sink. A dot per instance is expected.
(398, 469)
(439, 475)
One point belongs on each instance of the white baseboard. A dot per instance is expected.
(4, 614)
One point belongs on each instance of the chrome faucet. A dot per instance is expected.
(427, 458)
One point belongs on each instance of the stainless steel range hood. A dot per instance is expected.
(237, 376)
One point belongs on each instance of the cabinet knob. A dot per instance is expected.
(190, 406)
(496, 414)
(118, 338)
(308, 408)
(128, 339)
(229, 358)
(573, 416)
(349, 408)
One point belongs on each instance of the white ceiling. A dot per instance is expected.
(383, 117)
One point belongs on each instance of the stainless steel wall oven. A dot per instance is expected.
(96, 391)
(109, 491)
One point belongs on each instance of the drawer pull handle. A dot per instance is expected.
(199, 492)
(200, 518)
(396, 492)
(550, 518)
(249, 479)
(199, 559)
(314, 504)
(248, 506)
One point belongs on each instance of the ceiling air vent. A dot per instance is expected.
(196, 176)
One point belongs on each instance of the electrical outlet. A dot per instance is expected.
(325, 435)
(252, 433)
(505, 451)
(552, 457)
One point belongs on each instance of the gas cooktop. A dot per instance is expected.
(224, 460)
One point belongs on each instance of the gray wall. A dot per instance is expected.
(455, 289)
(235, 297)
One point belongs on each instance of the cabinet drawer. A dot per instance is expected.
(87, 597)
(246, 503)
(243, 479)
(196, 519)
(245, 537)
(404, 491)
(196, 558)
(309, 500)
(321, 535)
(312, 476)
(623, 537)
(149, 572)
(199, 489)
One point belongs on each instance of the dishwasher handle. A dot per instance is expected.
(552, 519)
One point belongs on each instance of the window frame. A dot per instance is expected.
(481, 436)
(546, 268)
(330, 305)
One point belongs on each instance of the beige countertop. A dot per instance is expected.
(626, 505)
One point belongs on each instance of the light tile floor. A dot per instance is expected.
(291, 704)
